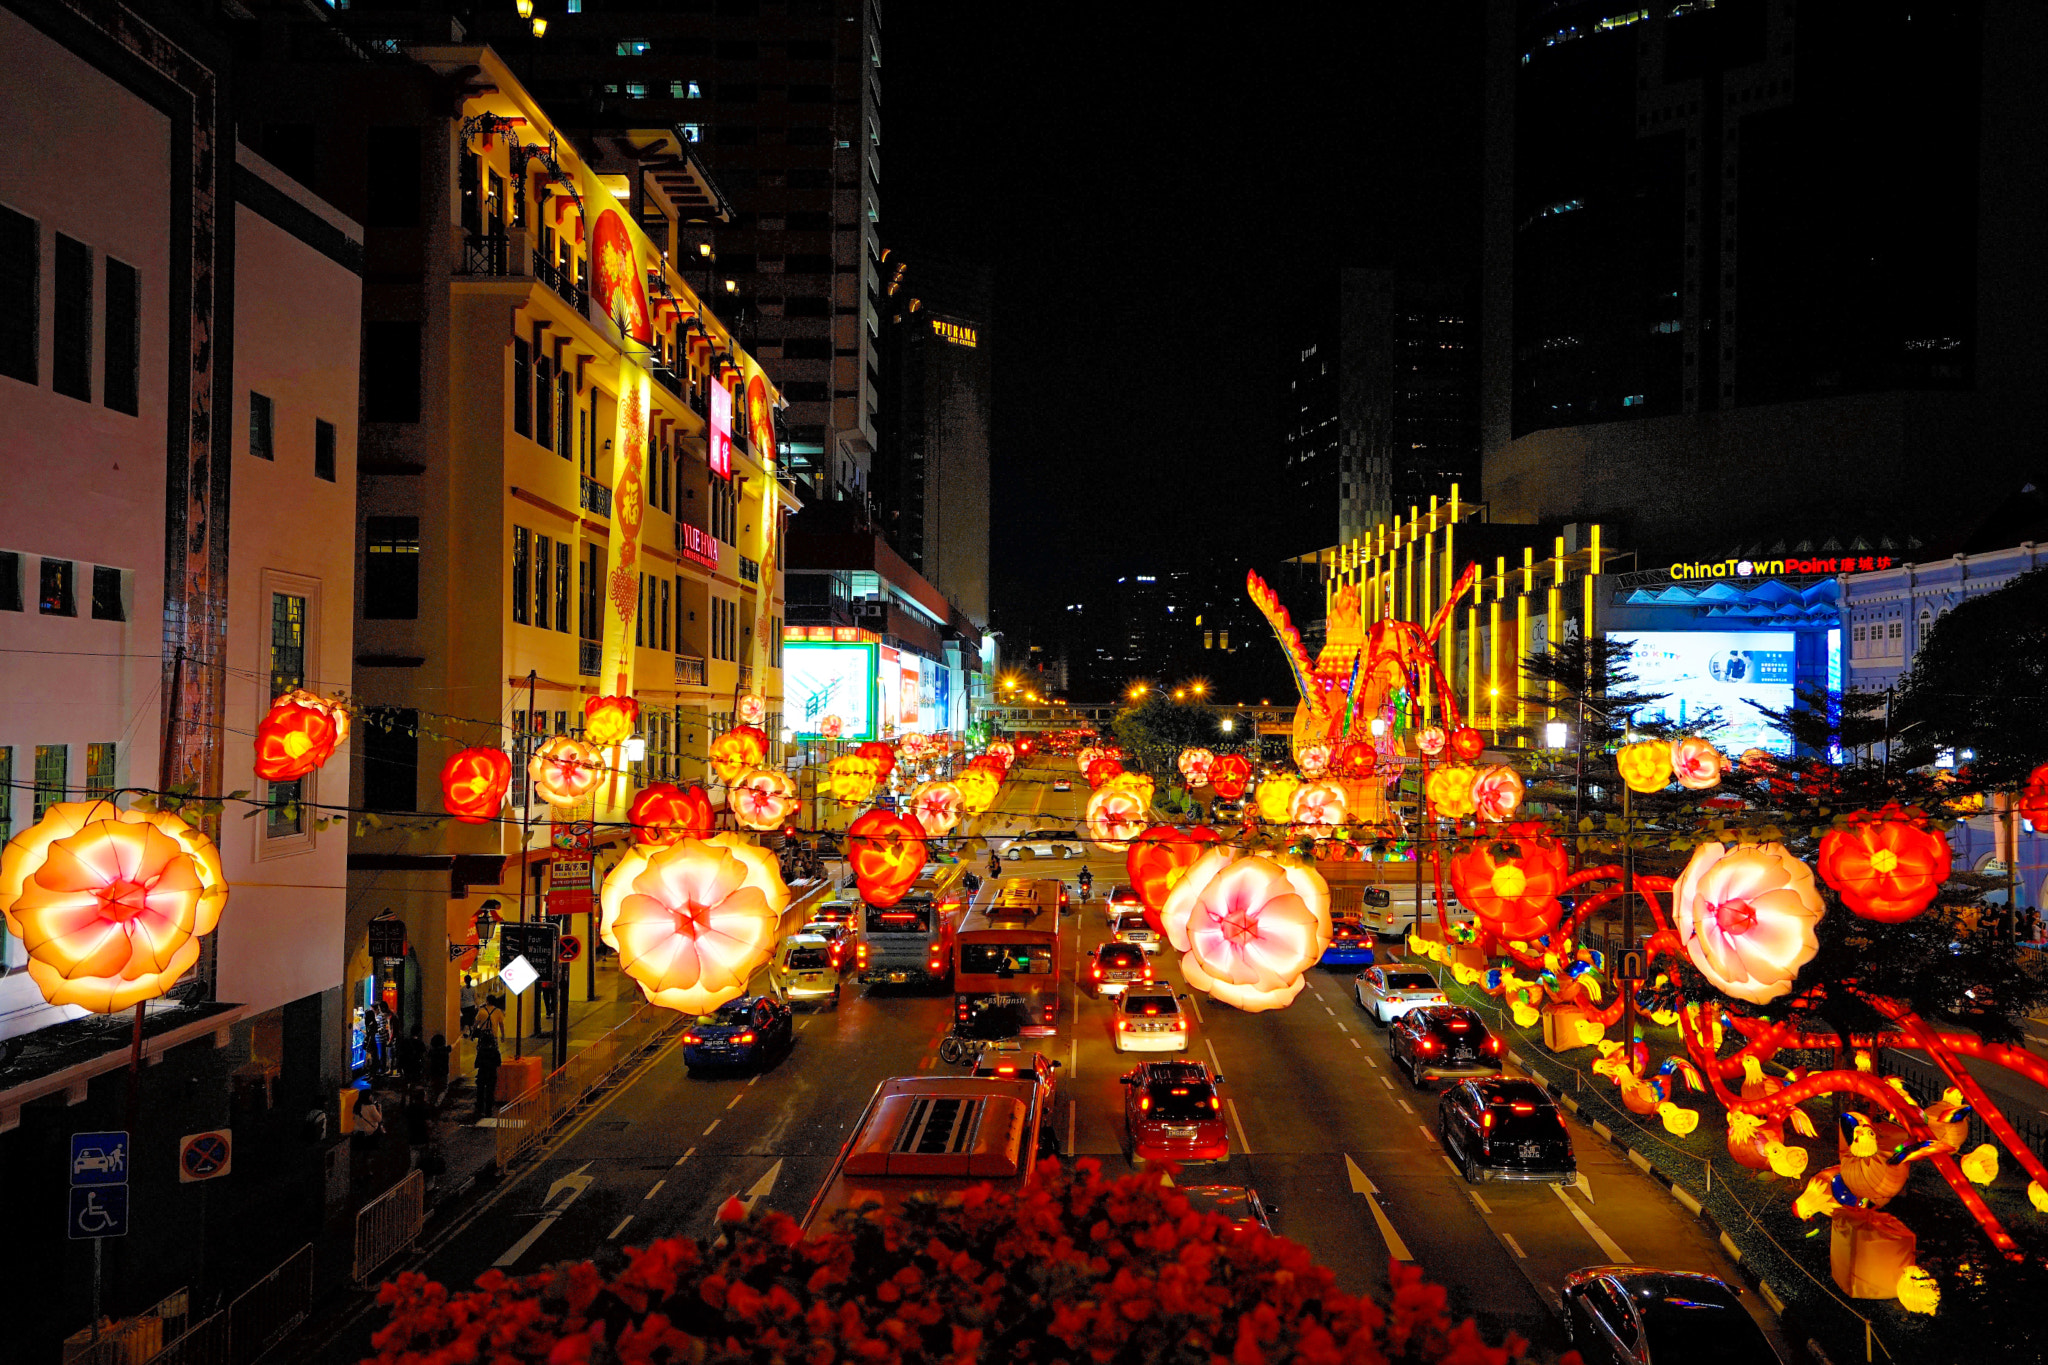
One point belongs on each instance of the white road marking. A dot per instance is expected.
(686, 1156)
(1198, 1008)
(714, 1124)
(1071, 1107)
(1340, 1025)
(576, 1182)
(1476, 1199)
(1369, 1061)
(613, 1235)
(1432, 1137)
(1606, 1243)
(1452, 1164)
(1074, 1054)
(1242, 1140)
(1404, 1104)
(1215, 1066)
(1312, 988)
(1396, 1248)
(1327, 1010)
(656, 1190)
(1355, 1043)
(1387, 1083)
(751, 1084)
(1513, 1245)
(737, 1098)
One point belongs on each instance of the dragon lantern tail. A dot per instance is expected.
(1268, 603)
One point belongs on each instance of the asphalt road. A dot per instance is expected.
(1317, 1115)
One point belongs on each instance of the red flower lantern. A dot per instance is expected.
(736, 751)
(664, 813)
(564, 770)
(1101, 770)
(1512, 883)
(887, 852)
(474, 783)
(1886, 866)
(609, 721)
(1156, 859)
(1231, 775)
(2034, 797)
(1466, 744)
(1354, 759)
(299, 733)
(881, 754)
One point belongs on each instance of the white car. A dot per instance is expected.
(1149, 1020)
(1129, 926)
(1044, 843)
(1389, 992)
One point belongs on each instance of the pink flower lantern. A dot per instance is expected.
(1318, 808)
(1115, 814)
(938, 806)
(1497, 792)
(1195, 765)
(1248, 927)
(1430, 740)
(692, 921)
(753, 709)
(1696, 763)
(762, 798)
(1746, 918)
(1313, 759)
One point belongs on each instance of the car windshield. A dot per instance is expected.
(1120, 955)
(1232, 1201)
(737, 1012)
(1151, 1004)
(1410, 981)
(1182, 1103)
(808, 959)
(1701, 1331)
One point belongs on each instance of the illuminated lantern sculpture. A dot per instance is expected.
(300, 732)
(849, 779)
(1646, 767)
(937, 806)
(564, 770)
(978, 788)
(1195, 766)
(1497, 792)
(1466, 744)
(474, 783)
(762, 798)
(737, 750)
(1116, 813)
(1450, 791)
(1745, 916)
(609, 721)
(1318, 808)
(752, 709)
(1087, 754)
(664, 813)
(1313, 759)
(692, 921)
(881, 754)
(1430, 740)
(831, 725)
(1230, 775)
(1512, 882)
(109, 904)
(1696, 763)
(887, 852)
(1355, 759)
(1003, 749)
(1276, 798)
(915, 745)
(1101, 770)
(1248, 928)
(1156, 859)
(1886, 866)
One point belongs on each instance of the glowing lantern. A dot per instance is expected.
(1313, 759)
(737, 750)
(978, 788)
(1868, 1251)
(1885, 866)
(2033, 798)
(1318, 808)
(664, 813)
(1248, 928)
(849, 779)
(1466, 744)
(1746, 917)
(1195, 766)
(1450, 791)
(1696, 763)
(752, 709)
(564, 770)
(1645, 767)
(937, 806)
(915, 745)
(832, 726)
(1230, 775)
(474, 783)
(1101, 770)
(1355, 760)
(1003, 749)
(887, 852)
(1087, 754)
(692, 921)
(1512, 883)
(1158, 857)
(1430, 741)
(1276, 798)
(109, 904)
(1114, 814)
(1497, 792)
(762, 798)
(609, 721)
(882, 755)
(300, 732)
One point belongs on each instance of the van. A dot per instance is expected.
(1385, 906)
(805, 968)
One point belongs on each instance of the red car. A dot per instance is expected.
(1172, 1113)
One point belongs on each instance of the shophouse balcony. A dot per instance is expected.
(491, 253)
(562, 281)
(597, 499)
(689, 670)
(750, 570)
(699, 404)
(746, 676)
(668, 379)
(589, 657)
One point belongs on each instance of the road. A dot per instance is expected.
(1316, 1117)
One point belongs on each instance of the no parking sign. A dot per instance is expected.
(202, 1156)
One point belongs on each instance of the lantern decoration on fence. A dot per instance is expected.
(1230, 775)
(1114, 814)
(1276, 798)
(1313, 759)
(1886, 866)
(609, 721)
(762, 798)
(1646, 767)
(831, 725)
(1247, 928)
(1430, 740)
(664, 813)
(752, 709)
(1466, 744)
(109, 904)
(1156, 859)
(564, 770)
(737, 750)
(1450, 791)
(1512, 881)
(1696, 763)
(887, 852)
(1101, 770)
(1745, 916)
(299, 733)
(849, 779)
(474, 783)
(1195, 766)
(881, 754)
(978, 788)
(937, 806)
(1318, 808)
(693, 920)
(1497, 792)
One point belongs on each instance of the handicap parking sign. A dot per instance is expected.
(99, 1211)
(99, 1159)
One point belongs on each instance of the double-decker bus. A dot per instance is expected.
(1006, 959)
(911, 942)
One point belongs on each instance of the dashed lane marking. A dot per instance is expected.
(1327, 1010)
(656, 1190)
(737, 1098)
(1355, 1043)
(1242, 1140)
(1432, 1138)
(1387, 1083)
(613, 1235)
(751, 1084)
(1614, 1253)
(1404, 1104)
(1513, 1245)
(1370, 1062)
(1476, 1199)
(1340, 1025)
(714, 1124)
(686, 1156)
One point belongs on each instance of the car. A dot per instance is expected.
(1239, 1203)
(1172, 1113)
(1633, 1315)
(838, 934)
(836, 912)
(1131, 926)
(1220, 811)
(1007, 1058)
(1150, 1019)
(1063, 784)
(1114, 968)
(1443, 1043)
(742, 1032)
(1122, 897)
(1350, 945)
(1043, 843)
(805, 967)
(1505, 1128)
(1387, 993)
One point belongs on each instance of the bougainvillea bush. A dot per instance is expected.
(1074, 1267)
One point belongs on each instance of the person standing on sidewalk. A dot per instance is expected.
(468, 1001)
(487, 1059)
(439, 1057)
(490, 1020)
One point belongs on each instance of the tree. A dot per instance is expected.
(1980, 682)
(1154, 729)
(1595, 690)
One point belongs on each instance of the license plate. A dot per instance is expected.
(899, 976)
(1530, 1151)
(1180, 1132)
(1464, 1054)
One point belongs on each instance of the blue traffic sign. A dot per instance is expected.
(99, 1159)
(99, 1211)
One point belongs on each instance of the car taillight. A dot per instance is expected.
(1493, 1044)
(1428, 1044)
(1486, 1122)
(1181, 1024)
(1098, 973)
(863, 954)
(691, 1038)
(1051, 1007)
(1148, 972)
(1144, 1103)
(746, 1037)
(1523, 1108)
(1215, 1103)
(1122, 1024)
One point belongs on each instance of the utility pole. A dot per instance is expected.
(525, 829)
(1628, 922)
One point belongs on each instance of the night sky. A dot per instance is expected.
(1157, 194)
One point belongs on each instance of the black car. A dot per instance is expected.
(1443, 1043)
(1239, 1203)
(1504, 1128)
(1631, 1315)
(742, 1032)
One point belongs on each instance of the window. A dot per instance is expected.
(565, 407)
(57, 593)
(123, 360)
(664, 614)
(543, 402)
(562, 588)
(21, 296)
(99, 772)
(323, 449)
(640, 616)
(391, 760)
(590, 592)
(574, 7)
(71, 343)
(636, 89)
(522, 389)
(10, 581)
(540, 581)
(391, 371)
(53, 771)
(261, 417)
(283, 815)
(685, 90)
(391, 569)
(522, 583)
(634, 47)
(106, 594)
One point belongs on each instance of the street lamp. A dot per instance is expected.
(525, 8)
(1554, 734)
(1228, 725)
(540, 28)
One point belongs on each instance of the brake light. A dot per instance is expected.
(1459, 1025)
(746, 1037)
(1522, 1108)
(863, 954)
(1050, 1007)
(1428, 1045)
(1122, 1024)
(1486, 1122)
(1148, 972)
(1493, 1044)
(1144, 1103)
(1006, 1069)
(1215, 1103)
(691, 1038)
(1098, 973)
(1181, 1024)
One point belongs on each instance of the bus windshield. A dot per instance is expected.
(1006, 959)
(901, 918)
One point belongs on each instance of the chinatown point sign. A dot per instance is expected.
(1765, 568)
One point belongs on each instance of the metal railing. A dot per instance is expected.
(597, 499)
(265, 1313)
(668, 379)
(527, 1119)
(750, 570)
(389, 1224)
(485, 253)
(589, 658)
(562, 281)
(689, 670)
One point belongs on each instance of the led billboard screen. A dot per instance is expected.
(721, 431)
(1715, 671)
(821, 680)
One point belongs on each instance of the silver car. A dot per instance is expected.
(1389, 992)
(1130, 926)
(1044, 843)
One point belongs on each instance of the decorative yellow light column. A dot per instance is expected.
(1553, 630)
(1522, 637)
(1500, 579)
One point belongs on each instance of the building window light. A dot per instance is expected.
(634, 47)
(1633, 400)
(693, 132)
(573, 7)
(1614, 21)
(636, 90)
(684, 90)
(1668, 326)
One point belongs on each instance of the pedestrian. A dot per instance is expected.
(387, 1038)
(468, 1001)
(2032, 922)
(439, 1057)
(369, 1118)
(412, 1057)
(490, 1020)
(487, 1059)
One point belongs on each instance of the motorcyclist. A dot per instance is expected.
(1087, 881)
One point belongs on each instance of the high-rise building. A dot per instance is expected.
(783, 103)
(1313, 477)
